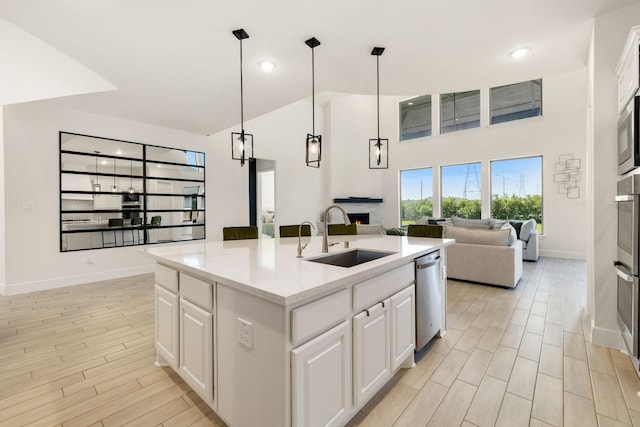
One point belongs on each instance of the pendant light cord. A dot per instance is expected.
(241, 96)
(313, 93)
(378, 92)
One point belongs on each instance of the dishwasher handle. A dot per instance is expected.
(431, 263)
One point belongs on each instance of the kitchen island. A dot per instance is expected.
(266, 338)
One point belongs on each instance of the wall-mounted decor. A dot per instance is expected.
(567, 175)
(154, 194)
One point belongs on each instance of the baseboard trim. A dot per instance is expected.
(76, 279)
(563, 254)
(607, 337)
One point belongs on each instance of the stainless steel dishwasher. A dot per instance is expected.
(428, 298)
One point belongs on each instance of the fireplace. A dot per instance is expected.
(359, 218)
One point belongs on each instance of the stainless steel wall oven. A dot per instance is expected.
(626, 265)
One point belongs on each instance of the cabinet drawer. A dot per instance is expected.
(167, 278)
(311, 319)
(377, 289)
(196, 291)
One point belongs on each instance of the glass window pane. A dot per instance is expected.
(416, 195)
(515, 101)
(415, 118)
(459, 110)
(461, 192)
(516, 189)
(96, 145)
(172, 155)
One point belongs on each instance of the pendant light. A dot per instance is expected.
(131, 189)
(378, 147)
(314, 142)
(241, 142)
(96, 185)
(114, 188)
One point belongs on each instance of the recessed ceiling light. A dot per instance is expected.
(520, 53)
(409, 103)
(267, 66)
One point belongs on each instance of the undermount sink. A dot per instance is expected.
(350, 258)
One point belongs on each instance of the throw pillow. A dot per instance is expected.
(527, 229)
(471, 223)
(394, 232)
(517, 225)
(423, 221)
(268, 217)
(478, 236)
(497, 224)
(513, 236)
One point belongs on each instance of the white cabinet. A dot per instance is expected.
(196, 348)
(371, 352)
(167, 324)
(107, 201)
(321, 379)
(402, 326)
(627, 69)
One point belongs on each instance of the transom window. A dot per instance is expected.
(415, 118)
(459, 110)
(516, 101)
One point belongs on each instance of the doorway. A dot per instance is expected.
(263, 200)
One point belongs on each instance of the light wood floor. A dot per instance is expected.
(83, 356)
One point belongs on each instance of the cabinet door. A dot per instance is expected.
(372, 352)
(196, 348)
(628, 79)
(402, 326)
(107, 201)
(321, 379)
(167, 322)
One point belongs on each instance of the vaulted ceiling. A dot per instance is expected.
(176, 64)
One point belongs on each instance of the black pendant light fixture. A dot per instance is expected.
(314, 142)
(96, 184)
(378, 147)
(241, 142)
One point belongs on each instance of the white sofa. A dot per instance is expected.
(483, 255)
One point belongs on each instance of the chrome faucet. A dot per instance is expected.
(325, 244)
(300, 246)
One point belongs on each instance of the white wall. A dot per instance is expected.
(31, 171)
(280, 136)
(561, 130)
(610, 33)
(2, 214)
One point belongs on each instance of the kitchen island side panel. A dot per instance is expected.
(251, 382)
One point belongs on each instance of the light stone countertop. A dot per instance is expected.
(269, 269)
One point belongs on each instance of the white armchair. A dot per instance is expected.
(527, 232)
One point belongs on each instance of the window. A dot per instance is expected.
(415, 118)
(516, 189)
(120, 193)
(516, 101)
(461, 194)
(459, 111)
(416, 194)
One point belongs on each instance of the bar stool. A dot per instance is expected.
(136, 227)
(424, 231)
(239, 233)
(292, 230)
(113, 224)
